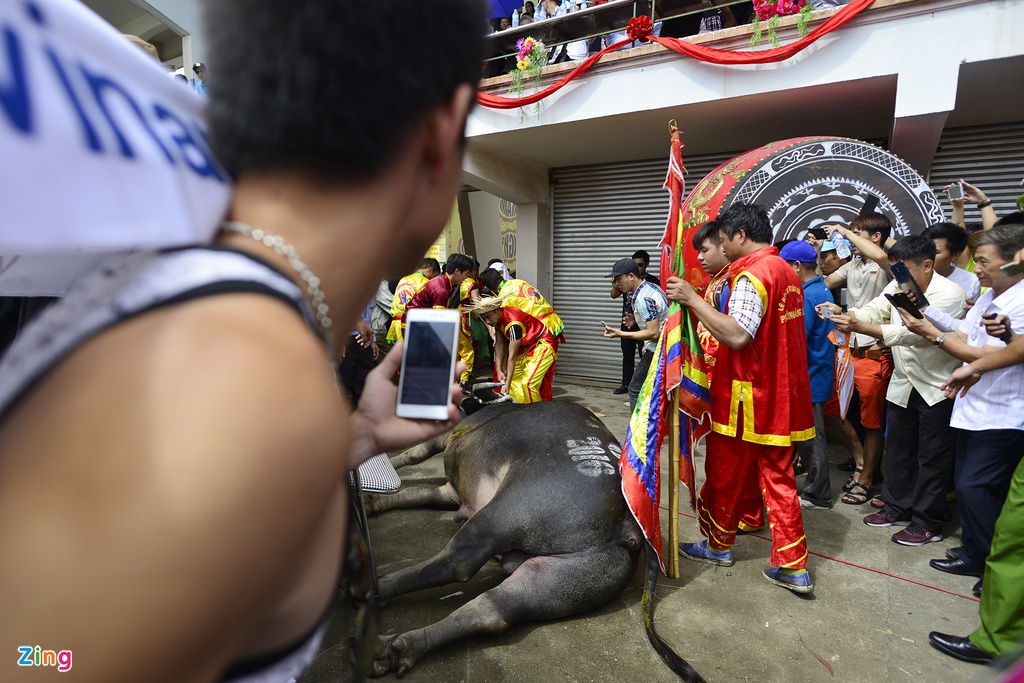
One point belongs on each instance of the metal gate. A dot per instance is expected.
(988, 157)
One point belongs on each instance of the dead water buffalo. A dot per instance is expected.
(539, 489)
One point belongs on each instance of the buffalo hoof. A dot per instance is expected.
(372, 503)
(393, 653)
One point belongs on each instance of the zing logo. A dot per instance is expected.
(36, 656)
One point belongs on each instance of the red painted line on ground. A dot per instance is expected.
(858, 566)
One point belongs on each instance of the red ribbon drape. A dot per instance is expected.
(704, 54)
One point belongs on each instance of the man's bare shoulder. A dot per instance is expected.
(188, 458)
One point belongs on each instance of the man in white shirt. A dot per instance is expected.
(990, 417)
(920, 451)
(951, 241)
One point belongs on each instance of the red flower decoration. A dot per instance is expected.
(639, 28)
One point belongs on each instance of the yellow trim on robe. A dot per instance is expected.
(738, 387)
(787, 547)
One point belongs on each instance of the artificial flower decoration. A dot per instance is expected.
(530, 59)
(771, 10)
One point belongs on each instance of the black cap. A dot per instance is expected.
(624, 266)
(199, 65)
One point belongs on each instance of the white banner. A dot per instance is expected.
(100, 149)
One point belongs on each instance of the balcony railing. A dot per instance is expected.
(598, 21)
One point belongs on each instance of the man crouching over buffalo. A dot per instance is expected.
(760, 399)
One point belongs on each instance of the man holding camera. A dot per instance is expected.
(920, 439)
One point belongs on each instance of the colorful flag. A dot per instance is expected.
(678, 365)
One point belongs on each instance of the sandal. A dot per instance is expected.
(852, 480)
(854, 497)
(877, 503)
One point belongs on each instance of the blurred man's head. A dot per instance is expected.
(643, 260)
(708, 244)
(950, 241)
(328, 105)
(828, 260)
(871, 226)
(917, 253)
(430, 268)
(744, 228)
(802, 257)
(995, 248)
(504, 24)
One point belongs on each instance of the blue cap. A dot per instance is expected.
(799, 251)
(827, 245)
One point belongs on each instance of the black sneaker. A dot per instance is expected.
(621, 390)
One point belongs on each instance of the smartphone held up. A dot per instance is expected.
(428, 363)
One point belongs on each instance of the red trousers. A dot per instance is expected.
(739, 473)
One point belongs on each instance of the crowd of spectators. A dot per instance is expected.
(889, 324)
(695, 22)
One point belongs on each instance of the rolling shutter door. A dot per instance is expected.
(602, 213)
(988, 157)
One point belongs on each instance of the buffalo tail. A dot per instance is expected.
(679, 665)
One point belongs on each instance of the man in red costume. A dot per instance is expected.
(526, 361)
(408, 287)
(760, 398)
(438, 292)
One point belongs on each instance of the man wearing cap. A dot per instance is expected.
(650, 308)
(821, 358)
(760, 399)
(199, 82)
(630, 347)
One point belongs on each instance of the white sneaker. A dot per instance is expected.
(804, 503)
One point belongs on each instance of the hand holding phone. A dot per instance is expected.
(998, 326)
(428, 363)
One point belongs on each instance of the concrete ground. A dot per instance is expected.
(868, 620)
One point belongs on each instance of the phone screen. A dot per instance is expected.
(427, 365)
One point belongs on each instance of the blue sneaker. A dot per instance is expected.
(702, 553)
(798, 583)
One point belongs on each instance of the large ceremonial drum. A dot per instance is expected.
(811, 181)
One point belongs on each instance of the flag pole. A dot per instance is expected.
(673, 488)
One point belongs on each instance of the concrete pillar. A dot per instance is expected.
(185, 19)
(534, 246)
(528, 186)
(925, 95)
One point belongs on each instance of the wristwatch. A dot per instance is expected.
(940, 340)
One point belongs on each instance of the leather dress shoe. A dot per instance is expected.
(957, 566)
(621, 390)
(959, 647)
(976, 590)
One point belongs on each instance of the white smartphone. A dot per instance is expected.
(428, 363)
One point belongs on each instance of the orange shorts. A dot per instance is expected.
(871, 380)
